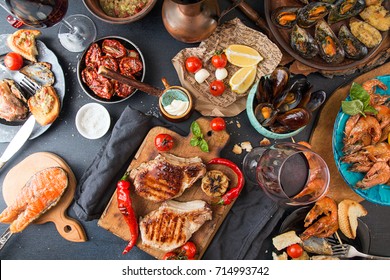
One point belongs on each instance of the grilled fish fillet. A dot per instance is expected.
(173, 224)
(166, 177)
(41, 192)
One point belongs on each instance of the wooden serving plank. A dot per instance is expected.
(112, 219)
(321, 138)
(18, 176)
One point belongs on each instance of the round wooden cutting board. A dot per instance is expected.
(17, 177)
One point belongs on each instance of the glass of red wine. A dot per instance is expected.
(76, 32)
(291, 174)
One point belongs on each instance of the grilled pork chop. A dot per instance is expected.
(166, 177)
(173, 224)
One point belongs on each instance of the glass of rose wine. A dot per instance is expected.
(291, 174)
(76, 32)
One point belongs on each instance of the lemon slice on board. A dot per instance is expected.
(242, 56)
(243, 79)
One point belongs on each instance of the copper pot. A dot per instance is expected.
(192, 21)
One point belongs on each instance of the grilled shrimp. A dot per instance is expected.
(383, 115)
(322, 220)
(363, 126)
(370, 85)
(379, 173)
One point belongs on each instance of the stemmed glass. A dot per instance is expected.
(291, 174)
(75, 33)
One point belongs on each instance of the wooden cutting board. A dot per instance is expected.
(321, 138)
(112, 219)
(17, 177)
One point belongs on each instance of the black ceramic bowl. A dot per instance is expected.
(81, 66)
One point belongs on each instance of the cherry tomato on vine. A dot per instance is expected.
(193, 64)
(218, 124)
(13, 61)
(294, 251)
(219, 60)
(170, 256)
(163, 142)
(217, 88)
(189, 250)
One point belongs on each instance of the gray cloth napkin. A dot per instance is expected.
(98, 182)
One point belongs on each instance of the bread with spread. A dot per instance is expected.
(45, 105)
(23, 42)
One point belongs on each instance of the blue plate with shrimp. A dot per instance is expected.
(379, 194)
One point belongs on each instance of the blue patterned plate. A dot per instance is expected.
(379, 194)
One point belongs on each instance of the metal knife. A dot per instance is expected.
(19, 139)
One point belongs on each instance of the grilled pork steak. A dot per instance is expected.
(173, 224)
(166, 177)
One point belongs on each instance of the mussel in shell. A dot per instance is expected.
(310, 14)
(353, 48)
(285, 17)
(330, 48)
(264, 90)
(317, 98)
(303, 43)
(279, 79)
(266, 114)
(344, 9)
(295, 118)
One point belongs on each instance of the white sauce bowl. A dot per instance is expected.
(93, 121)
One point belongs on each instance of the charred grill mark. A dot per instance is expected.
(192, 171)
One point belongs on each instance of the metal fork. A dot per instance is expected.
(29, 86)
(346, 251)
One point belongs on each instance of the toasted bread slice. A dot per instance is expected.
(23, 42)
(40, 72)
(45, 105)
(348, 212)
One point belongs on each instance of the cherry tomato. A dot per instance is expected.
(13, 61)
(193, 64)
(170, 256)
(163, 142)
(217, 88)
(219, 60)
(188, 250)
(218, 124)
(294, 251)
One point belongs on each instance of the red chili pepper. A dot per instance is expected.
(126, 208)
(233, 193)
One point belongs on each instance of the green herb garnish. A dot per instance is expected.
(197, 139)
(359, 103)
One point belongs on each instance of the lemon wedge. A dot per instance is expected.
(243, 79)
(242, 56)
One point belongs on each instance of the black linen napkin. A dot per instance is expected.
(244, 230)
(98, 182)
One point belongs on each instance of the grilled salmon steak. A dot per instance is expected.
(41, 192)
(173, 224)
(166, 177)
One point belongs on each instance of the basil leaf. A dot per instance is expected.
(352, 107)
(195, 128)
(357, 92)
(370, 109)
(194, 142)
(204, 146)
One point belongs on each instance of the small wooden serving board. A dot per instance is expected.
(18, 176)
(112, 220)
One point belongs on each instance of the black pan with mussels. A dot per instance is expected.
(294, 22)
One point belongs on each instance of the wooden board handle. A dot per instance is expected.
(110, 74)
(70, 229)
(255, 17)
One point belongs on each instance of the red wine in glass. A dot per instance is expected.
(38, 13)
(76, 32)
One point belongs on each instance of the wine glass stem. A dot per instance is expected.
(72, 29)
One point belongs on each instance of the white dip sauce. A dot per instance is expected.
(177, 107)
(93, 121)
